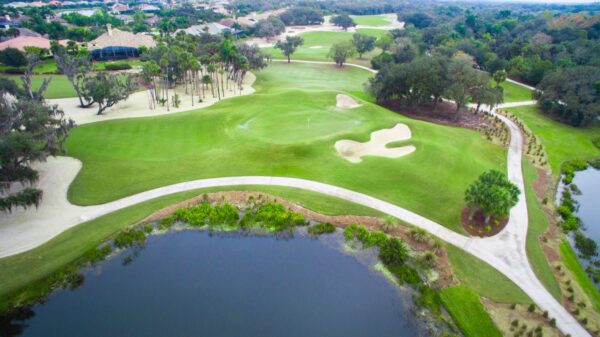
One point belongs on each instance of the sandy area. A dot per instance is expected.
(376, 146)
(345, 102)
(138, 104)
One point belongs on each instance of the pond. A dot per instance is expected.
(588, 182)
(192, 283)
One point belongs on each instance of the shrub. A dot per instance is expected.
(117, 66)
(531, 308)
(393, 252)
(272, 216)
(322, 228)
(128, 238)
(405, 274)
(596, 142)
(428, 298)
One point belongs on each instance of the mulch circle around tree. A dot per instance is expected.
(476, 226)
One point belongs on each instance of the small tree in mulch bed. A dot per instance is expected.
(493, 195)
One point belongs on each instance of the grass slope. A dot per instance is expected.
(294, 136)
(561, 142)
(514, 92)
(570, 259)
(468, 313)
(483, 279)
(538, 223)
(59, 86)
(317, 44)
(371, 20)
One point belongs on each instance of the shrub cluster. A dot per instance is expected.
(205, 214)
(569, 168)
(117, 66)
(272, 216)
(322, 228)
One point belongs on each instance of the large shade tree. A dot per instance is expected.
(344, 21)
(289, 45)
(341, 51)
(493, 194)
(30, 130)
(363, 43)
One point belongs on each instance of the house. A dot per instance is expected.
(126, 18)
(147, 8)
(119, 8)
(84, 12)
(21, 42)
(212, 28)
(152, 21)
(118, 44)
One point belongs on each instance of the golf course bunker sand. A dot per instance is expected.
(345, 102)
(353, 151)
(315, 47)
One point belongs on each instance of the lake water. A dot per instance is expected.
(189, 283)
(588, 182)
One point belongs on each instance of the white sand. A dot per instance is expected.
(138, 104)
(345, 102)
(315, 47)
(353, 151)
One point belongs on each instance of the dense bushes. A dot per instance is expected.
(322, 228)
(301, 16)
(117, 66)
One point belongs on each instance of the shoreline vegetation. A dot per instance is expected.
(422, 264)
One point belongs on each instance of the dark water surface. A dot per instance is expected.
(188, 283)
(588, 182)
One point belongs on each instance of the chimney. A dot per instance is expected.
(109, 29)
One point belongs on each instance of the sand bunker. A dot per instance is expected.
(345, 102)
(315, 47)
(353, 151)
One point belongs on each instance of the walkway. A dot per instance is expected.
(505, 252)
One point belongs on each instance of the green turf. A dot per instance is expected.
(287, 128)
(468, 313)
(371, 20)
(515, 93)
(538, 223)
(570, 259)
(561, 142)
(59, 86)
(483, 279)
(325, 40)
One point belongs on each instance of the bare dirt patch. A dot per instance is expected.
(353, 151)
(476, 226)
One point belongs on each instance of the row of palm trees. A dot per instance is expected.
(204, 65)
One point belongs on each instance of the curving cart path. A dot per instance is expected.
(23, 230)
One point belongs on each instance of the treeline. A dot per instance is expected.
(427, 79)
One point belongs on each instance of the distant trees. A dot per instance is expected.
(301, 16)
(427, 79)
(363, 43)
(419, 20)
(269, 27)
(572, 95)
(30, 130)
(289, 45)
(343, 20)
(341, 51)
(493, 193)
(12, 57)
(107, 90)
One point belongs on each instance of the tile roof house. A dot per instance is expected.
(21, 42)
(212, 28)
(116, 44)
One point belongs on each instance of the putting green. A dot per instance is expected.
(268, 133)
(317, 44)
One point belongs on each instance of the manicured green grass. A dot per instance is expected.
(371, 20)
(561, 141)
(468, 313)
(538, 223)
(287, 128)
(515, 93)
(483, 279)
(570, 259)
(317, 44)
(59, 87)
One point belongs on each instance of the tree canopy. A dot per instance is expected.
(493, 193)
(341, 51)
(363, 43)
(289, 45)
(343, 20)
(301, 16)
